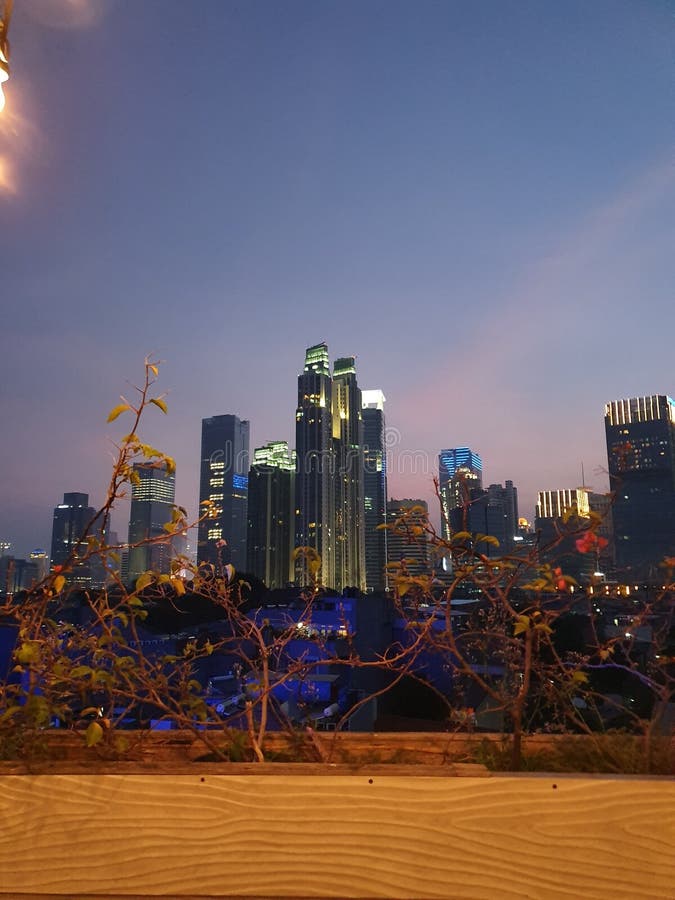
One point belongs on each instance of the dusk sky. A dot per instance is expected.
(476, 199)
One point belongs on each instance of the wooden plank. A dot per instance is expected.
(366, 835)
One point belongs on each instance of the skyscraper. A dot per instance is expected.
(640, 434)
(374, 488)
(224, 481)
(558, 530)
(403, 543)
(492, 512)
(69, 523)
(315, 462)
(348, 483)
(460, 471)
(271, 518)
(329, 469)
(152, 501)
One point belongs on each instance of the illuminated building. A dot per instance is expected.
(640, 434)
(460, 471)
(41, 561)
(329, 469)
(374, 488)
(560, 517)
(315, 462)
(224, 482)
(271, 517)
(348, 506)
(71, 518)
(403, 543)
(152, 500)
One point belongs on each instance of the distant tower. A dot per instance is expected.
(41, 561)
(271, 518)
(552, 520)
(492, 512)
(374, 488)
(460, 471)
(152, 501)
(315, 462)
(402, 542)
(640, 435)
(70, 520)
(349, 477)
(224, 481)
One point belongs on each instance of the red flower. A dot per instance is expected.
(590, 542)
(560, 582)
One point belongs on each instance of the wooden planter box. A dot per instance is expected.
(175, 828)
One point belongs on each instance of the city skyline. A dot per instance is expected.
(476, 201)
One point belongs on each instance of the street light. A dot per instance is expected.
(4, 47)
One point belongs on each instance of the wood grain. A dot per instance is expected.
(209, 835)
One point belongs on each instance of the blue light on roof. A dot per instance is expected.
(451, 460)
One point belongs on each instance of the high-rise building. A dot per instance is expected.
(404, 542)
(271, 517)
(460, 471)
(224, 482)
(640, 435)
(492, 512)
(315, 463)
(559, 518)
(348, 506)
(41, 561)
(329, 470)
(153, 491)
(374, 488)
(71, 518)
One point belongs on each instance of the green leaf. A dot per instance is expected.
(117, 411)
(93, 734)
(160, 404)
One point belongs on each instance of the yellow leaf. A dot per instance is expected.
(59, 582)
(522, 624)
(93, 734)
(178, 586)
(153, 368)
(117, 411)
(580, 678)
(143, 581)
(160, 404)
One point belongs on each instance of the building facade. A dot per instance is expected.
(271, 516)
(153, 494)
(640, 435)
(404, 542)
(315, 463)
(374, 488)
(223, 482)
(70, 521)
(348, 482)
(493, 512)
(330, 470)
(460, 471)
